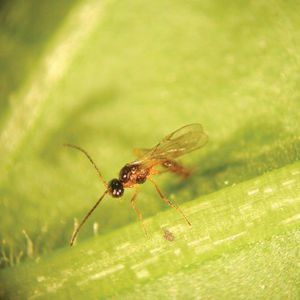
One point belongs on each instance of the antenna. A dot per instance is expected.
(75, 233)
(90, 159)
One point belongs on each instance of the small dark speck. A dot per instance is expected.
(168, 235)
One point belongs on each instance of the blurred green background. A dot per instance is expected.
(114, 75)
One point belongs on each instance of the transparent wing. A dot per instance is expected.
(184, 140)
(140, 152)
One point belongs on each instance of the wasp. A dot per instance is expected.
(165, 154)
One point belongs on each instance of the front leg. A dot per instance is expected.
(138, 212)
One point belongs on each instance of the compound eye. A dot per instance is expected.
(115, 188)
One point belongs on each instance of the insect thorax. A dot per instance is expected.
(133, 174)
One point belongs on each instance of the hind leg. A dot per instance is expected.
(168, 202)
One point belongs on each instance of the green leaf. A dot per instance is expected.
(239, 235)
(111, 76)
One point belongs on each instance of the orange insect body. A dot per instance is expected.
(184, 140)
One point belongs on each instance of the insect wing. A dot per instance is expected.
(184, 140)
(141, 152)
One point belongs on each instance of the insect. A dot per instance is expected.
(183, 140)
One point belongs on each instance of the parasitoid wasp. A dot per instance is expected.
(182, 141)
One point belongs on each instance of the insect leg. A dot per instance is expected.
(138, 212)
(174, 205)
